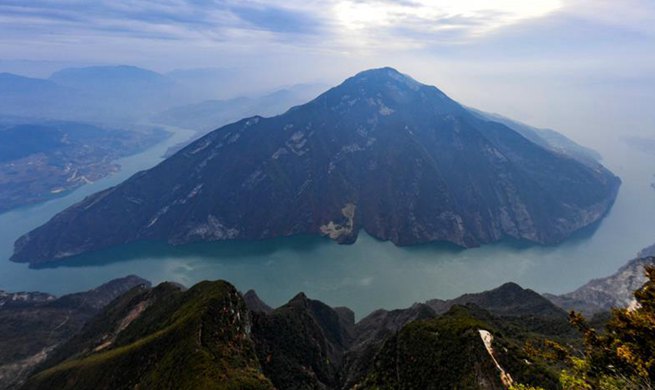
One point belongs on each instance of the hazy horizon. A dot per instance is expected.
(549, 63)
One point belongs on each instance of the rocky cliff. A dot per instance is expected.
(600, 295)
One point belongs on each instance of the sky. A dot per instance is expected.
(532, 60)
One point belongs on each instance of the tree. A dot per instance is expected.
(623, 356)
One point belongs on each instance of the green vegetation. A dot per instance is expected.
(623, 356)
(300, 344)
(205, 338)
(447, 352)
(196, 339)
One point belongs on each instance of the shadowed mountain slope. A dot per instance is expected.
(380, 152)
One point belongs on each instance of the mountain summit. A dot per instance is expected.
(380, 152)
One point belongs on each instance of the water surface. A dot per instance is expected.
(364, 276)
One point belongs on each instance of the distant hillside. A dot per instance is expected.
(546, 137)
(31, 97)
(211, 114)
(114, 94)
(33, 324)
(42, 160)
(600, 295)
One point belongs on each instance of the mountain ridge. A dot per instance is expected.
(204, 336)
(380, 152)
(33, 325)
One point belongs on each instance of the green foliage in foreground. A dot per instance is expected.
(448, 353)
(198, 340)
(623, 356)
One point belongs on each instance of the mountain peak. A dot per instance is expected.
(387, 75)
(300, 297)
(385, 71)
(254, 303)
(511, 287)
(386, 91)
(380, 153)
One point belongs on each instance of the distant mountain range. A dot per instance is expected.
(124, 94)
(211, 114)
(100, 94)
(380, 152)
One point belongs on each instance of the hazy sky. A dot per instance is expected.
(518, 57)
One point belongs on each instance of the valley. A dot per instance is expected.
(65, 156)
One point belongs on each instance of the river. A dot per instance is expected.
(364, 276)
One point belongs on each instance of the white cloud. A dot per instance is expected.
(458, 21)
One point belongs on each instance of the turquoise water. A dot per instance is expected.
(364, 276)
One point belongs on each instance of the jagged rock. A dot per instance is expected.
(206, 337)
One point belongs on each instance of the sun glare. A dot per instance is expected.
(476, 16)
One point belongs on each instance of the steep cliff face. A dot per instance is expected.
(380, 152)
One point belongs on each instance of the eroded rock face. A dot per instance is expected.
(602, 294)
(380, 152)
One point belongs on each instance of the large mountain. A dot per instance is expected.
(380, 152)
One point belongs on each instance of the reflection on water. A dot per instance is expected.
(364, 276)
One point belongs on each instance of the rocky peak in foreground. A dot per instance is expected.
(380, 152)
